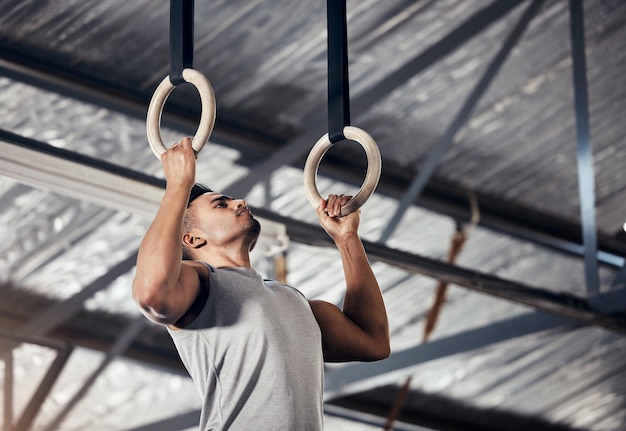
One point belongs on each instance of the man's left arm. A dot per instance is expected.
(359, 331)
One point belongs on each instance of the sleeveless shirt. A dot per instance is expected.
(254, 354)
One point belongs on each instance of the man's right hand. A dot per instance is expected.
(179, 164)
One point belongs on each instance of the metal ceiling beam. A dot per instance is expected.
(36, 401)
(584, 156)
(360, 377)
(560, 304)
(471, 27)
(44, 166)
(46, 322)
(55, 316)
(436, 154)
(119, 346)
(69, 235)
(8, 392)
(617, 303)
(153, 348)
(64, 350)
(620, 279)
(18, 64)
(446, 414)
(507, 218)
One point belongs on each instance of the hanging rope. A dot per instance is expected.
(339, 127)
(398, 404)
(181, 71)
(456, 246)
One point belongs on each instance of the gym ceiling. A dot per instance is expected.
(503, 120)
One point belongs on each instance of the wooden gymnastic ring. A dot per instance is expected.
(155, 110)
(374, 166)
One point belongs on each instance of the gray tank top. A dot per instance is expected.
(255, 355)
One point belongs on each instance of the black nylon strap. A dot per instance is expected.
(181, 39)
(338, 83)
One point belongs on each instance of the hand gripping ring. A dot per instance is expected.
(155, 110)
(374, 166)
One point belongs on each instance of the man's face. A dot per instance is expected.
(224, 219)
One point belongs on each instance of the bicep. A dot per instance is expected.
(342, 339)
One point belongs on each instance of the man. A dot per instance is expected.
(254, 348)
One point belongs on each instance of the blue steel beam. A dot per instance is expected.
(359, 377)
(620, 279)
(586, 180)
(437, 153)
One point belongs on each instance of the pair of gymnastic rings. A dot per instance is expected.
(181, 70)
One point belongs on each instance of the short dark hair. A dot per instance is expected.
(196, 191)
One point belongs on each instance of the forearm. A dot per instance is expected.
(159, 258)
(360, 330)
(363, 301)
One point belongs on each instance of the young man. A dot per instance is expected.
(254, 348)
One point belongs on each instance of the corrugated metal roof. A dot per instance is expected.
(517, 152)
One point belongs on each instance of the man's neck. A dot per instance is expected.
(226, 260)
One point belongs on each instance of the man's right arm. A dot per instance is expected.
(165, 287)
